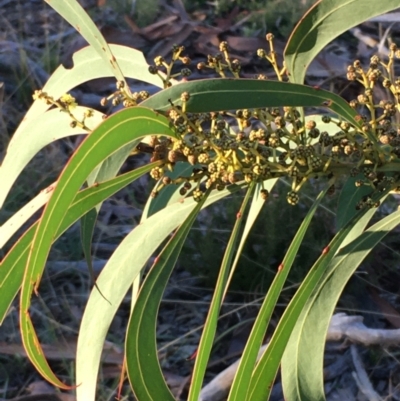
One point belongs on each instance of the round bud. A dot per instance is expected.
(153, 69)
(158, 61)
(185, 96)
(186, 72)
(166, 180)
(116, 101)
(261, 53)
(292, 198)
(264, 194)
(223, 46)
(144, 94)
(386, 83)
(310, 124)
(186, 60)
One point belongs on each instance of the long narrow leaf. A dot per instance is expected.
(13, 265)
(115, 280)
(42, 131)
(240, 386)
(142, 365)
(255, 208)
(116, 132)
(324, 22)
(226, 94)
(268, 365)
(75, 15)
(290, 358)
(210, 326)
(306, 383)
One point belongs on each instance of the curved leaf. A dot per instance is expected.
(88, 64)
(348, 199)
(117, 131)
(306, 381)
(13, 264)
(15, 222)
(240, 386)
(255, 208)
(104, 171)
(75, 15)
(44, 129)
(324, 22)
(114, 281)
(353, 229)
(267, 367)
(219, 94)
(142, 365)
(210, 326)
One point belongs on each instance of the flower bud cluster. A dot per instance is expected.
(222, 62)
(66, 103)
(164, 69)
(120, 96)
(253, 145)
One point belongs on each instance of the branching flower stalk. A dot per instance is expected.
(120, 96)
(65, 104)
(164, 70)
(275, 143)
(271, 57)
(253, 145)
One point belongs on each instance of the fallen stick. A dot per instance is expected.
(342, 327)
